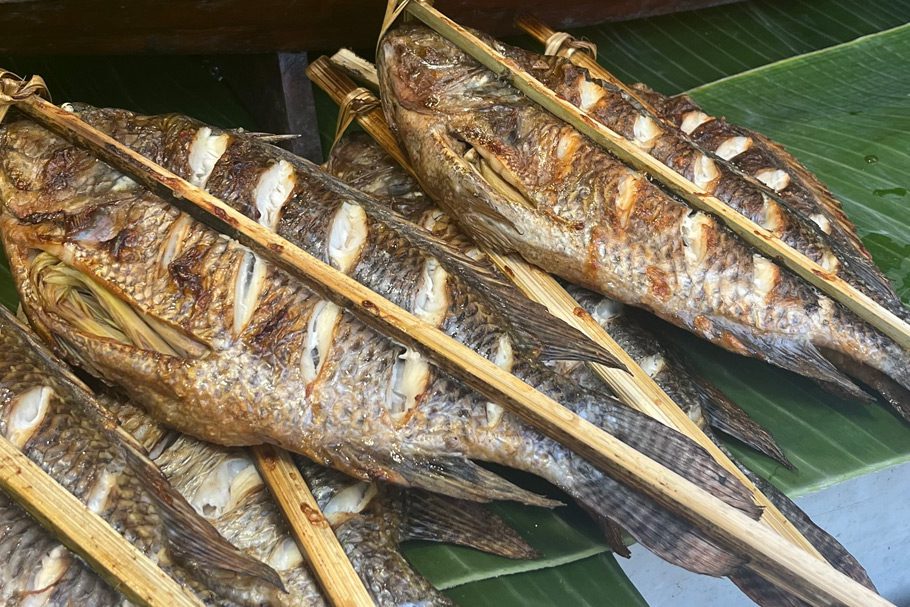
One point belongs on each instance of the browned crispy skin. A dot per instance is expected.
(736, 166)
(239, 353)
(521, 180)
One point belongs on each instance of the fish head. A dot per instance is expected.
(487, 154)
(89, 251)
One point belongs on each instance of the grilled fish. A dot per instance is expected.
(733, 166)
(359, 161)
(58, 425)
(221, 345)
(518, 179)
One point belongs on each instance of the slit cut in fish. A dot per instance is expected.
(205, 152)
(347, 236)
(319, 334)
(248, 286)
(26, 414)
(273, 190)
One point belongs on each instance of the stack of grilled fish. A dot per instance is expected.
(216, 343)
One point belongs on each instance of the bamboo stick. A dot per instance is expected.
(120, 563)
(357, 67)
(635, 388)
(776, 558)
(762, 239)
(311, 530)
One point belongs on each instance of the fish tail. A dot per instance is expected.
(369, 541)
(871, 359)
(436, 518)
(657, 529)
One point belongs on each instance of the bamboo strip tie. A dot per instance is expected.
(757, 236)
(120, 563)
(313, 535)
(766, 551)
(636, 388)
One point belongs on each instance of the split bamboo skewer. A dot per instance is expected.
(311, 530)
(120, 563)
(635, 388)
(771, 555)
(762, 239)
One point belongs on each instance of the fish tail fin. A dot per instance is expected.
(436, 518)
(726, 416)
(657, 529)
(757, 589)
(454, 475)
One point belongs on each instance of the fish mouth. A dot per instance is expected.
(83, 304)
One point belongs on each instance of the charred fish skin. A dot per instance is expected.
(41, 415)
(299, 374)
(521, 180)
(711, 164)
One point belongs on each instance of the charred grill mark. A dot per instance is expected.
(183, 270)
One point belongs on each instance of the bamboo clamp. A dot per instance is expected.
(776, 558)
(763, 240)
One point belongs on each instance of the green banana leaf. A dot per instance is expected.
(793, 70)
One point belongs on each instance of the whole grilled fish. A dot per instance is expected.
(362, 163)
(519, 179)
(359, 161)
(731, 166)
(219, 344)
(60, 427)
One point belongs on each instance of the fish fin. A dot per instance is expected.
(613, 504)
(193, 539)
(454, 475)
(613, 534)
(658, 529)
(436, 518)
(833, 551)
(763, 592)
(791, 353)
(728, 417)
(891, 390)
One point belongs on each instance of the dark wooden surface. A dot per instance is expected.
(242, 26)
